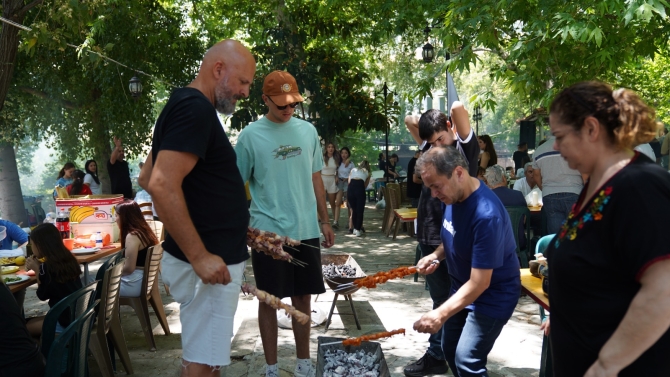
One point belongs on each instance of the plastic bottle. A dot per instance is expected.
(98, 240)
(63, 224)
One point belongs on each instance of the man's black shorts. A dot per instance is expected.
(283, 279)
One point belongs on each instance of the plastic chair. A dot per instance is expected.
(147, 209)
(73, 342)
(391, 206)
(108, 324)
(109, 263)
(516, 213)
(149, 295)
(159, 231)
(157, 227)
(76, 304)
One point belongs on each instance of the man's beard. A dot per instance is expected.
(225, 100)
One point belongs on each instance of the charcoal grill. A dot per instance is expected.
(373, 347)
(334, 283)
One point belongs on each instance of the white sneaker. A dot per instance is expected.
(302, 371)
(271, 372)
(357, 233)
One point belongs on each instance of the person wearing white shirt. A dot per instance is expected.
(527, 183)
(358, 181)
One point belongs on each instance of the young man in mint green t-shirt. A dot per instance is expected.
(281, 157)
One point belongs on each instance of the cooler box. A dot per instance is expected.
(95, 209)
(78, 230)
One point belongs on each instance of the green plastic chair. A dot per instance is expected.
(109, 263)
(515, 215)
(76, 303)
(71, 348)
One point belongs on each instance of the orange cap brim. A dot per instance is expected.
(285, 99)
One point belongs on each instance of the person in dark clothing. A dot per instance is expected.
(19, 353)
(521, 156)
(433, 129)
(497, 182)
(119, 173)
(613, 240)
(57, 273)
(413, 181)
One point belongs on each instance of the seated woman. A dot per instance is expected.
(136, 238)
(57, 274)
(77, 187)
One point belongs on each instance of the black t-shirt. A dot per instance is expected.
(19, 354)
(656, 147)
(413, 189)
(54, 291)
(520, 159)
(595, 266)
(213, 190)
(119, 174)
(431, 210)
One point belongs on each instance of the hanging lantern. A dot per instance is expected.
(428, 52)
(135, 87)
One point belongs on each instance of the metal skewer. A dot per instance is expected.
(346, 286)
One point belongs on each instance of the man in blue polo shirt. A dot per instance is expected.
(478, 244)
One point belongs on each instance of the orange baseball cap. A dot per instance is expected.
(282, 88)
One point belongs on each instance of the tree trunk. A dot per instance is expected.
(11, 205)
(11, 198)
(103, 150)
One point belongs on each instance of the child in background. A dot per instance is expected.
(77, 187)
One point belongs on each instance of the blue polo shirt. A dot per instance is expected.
(477, 233)
(14, 233)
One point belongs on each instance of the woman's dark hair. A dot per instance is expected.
(336, 154)
(626, 118)
(93, 174)
(67, 166)
(132, 222)
(62, 265)
(348, 151)
(381, 156)
(78, 182)
(493, 157)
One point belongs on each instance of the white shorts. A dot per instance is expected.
(131, 285)
(330, 184)
(206, 312)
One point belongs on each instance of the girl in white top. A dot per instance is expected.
(358, 181)
(343, 182)
(91, 179)
(331, 160)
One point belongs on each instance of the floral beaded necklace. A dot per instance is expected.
(594, 212)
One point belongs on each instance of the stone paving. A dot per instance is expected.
(396, 304)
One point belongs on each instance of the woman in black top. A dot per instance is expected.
(57, 273)
(136, 238)
(610, 262)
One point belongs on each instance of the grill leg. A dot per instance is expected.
(332, 309)
(351, 303)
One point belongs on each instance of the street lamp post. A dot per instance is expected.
(428, 55)
(477, 116)
(386, 91)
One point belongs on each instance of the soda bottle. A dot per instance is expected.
(63, 223)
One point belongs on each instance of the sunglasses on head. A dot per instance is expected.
(293, 105)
